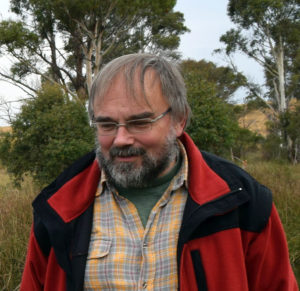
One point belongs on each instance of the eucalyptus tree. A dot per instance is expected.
(66, 42)
(268, 31)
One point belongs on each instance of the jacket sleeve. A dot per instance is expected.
(35, 266)
(267, 258)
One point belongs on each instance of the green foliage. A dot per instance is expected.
(291, 121)
(67, 41)
(268, 31)
(15, 36)
(48, 134)
(213, 125)
(283, 141)
(245, 142)
(272, 149)
(256, 104)
(223, 79)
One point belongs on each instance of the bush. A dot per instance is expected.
(49, 133)
(212, 125)
(245, 142)
(283, 141)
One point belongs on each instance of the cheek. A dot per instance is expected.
(105, 143)
(157, 137)
(151, 141)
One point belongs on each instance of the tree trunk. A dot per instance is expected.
(282, 106)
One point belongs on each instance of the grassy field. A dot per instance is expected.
(15, 221)
(15, 216)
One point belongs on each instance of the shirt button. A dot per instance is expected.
(145, 285)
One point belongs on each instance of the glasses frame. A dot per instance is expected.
(127, 123)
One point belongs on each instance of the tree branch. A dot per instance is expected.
(18, 83)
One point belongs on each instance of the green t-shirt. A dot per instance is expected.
(145, 199)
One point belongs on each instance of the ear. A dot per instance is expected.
(179, 127)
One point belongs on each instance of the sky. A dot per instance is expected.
(207, 21)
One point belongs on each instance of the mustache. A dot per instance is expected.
(127, 151)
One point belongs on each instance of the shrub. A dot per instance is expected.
(49, 133)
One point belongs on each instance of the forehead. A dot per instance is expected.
(132, 92)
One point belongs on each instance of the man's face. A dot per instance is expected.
(134, 160)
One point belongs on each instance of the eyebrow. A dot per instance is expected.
(143, 115)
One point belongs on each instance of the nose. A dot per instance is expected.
(123, 137)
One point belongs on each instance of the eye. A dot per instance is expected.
(106, 126)
(139, 124)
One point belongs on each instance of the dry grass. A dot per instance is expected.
(5, 128)
(255, 121)
(15, 221)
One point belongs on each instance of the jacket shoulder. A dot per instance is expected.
(254, 215)
(43, 215)
(70, 172)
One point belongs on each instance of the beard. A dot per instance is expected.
(130, 175)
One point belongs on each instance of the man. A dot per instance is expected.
(148, 210)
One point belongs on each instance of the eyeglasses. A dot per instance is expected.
(133, 126)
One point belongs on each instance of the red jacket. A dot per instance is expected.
(231, 238)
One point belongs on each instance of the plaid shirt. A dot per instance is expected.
(123, 255)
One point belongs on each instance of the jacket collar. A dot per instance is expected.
(73, 197)
(204, 184)
(76, 195)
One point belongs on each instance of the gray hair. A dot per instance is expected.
(172, 84)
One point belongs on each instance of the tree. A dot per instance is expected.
(224, 80)
(285, 127)
(67, 41)
(289, 124)
(49, 133)
(213, 125)
(268, 31)
(245, 141)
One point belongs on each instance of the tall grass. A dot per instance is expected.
(15, 221)
(15, 216)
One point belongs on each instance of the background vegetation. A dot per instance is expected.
(15, 223)
(50, 132)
